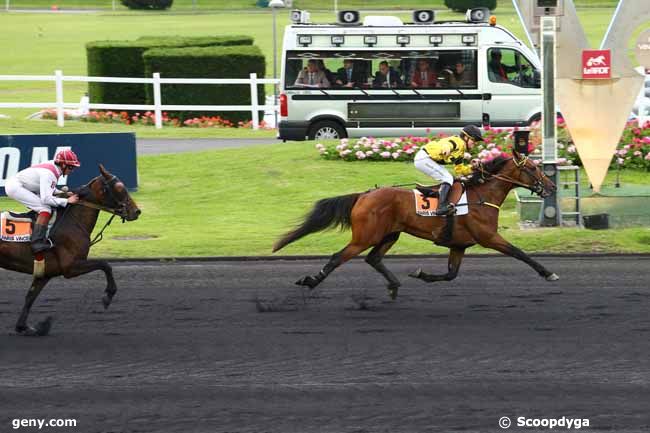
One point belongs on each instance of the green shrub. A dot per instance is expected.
(208, 62)
(148, 4)
(124, 59)
(463, 5)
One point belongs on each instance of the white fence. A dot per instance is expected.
(157, 106)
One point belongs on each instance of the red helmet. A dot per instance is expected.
(67, 157)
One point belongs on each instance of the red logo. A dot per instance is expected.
(596, 64)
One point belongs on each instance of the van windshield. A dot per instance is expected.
(341, 70)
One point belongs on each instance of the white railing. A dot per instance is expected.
(157, 106)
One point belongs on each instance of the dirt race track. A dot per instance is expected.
(236, 347)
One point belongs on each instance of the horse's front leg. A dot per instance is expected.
(42, 328)
(82, 267)
(456, 255)
(496, 242)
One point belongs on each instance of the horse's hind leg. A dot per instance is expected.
(21, 325)
(86, 266)
(456, 255)
(351, 250)
(375, 257)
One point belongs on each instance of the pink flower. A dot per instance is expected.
(646, 139)
(395, 155)
(385, 154)
(647, 157)
(620, 161)
(571, 149)
(360, 155)
(638, 153)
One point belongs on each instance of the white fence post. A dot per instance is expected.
(254, 110)
(157, 100)
(60, 115)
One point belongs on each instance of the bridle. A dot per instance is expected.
(119, 208)
(536, 187)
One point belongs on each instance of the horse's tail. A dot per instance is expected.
(328, 212)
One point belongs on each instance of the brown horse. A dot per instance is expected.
(72, 243)
(379, 216)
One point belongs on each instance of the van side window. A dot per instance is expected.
(349, 70)
(511, 67)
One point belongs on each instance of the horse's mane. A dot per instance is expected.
(491, 167)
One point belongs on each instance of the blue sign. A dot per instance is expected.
(116, 151)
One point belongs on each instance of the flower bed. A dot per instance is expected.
(633, 150)
(148, 118)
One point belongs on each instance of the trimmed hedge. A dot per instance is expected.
(463, 5)
(209, 62)
(148, 4)
(124, 59)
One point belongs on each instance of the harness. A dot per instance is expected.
(118, 210)
(537, 187)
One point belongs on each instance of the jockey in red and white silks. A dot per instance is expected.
(35, 187)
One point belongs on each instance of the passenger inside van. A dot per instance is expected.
(386, 77)
(459, 76)
(312, 76)
(350, 75)
(424, 76)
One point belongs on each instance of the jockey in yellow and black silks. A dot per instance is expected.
(431, 159)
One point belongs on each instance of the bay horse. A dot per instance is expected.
(378, 217)
(71, 237)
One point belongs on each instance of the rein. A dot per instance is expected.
(113, 211)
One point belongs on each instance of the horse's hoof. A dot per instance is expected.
(308, 281)
(106, 301)
(392, 291)
(416, 274)
(41, 329)
(552, 277)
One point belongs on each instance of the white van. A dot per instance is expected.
(442, 76)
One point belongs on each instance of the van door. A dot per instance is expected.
(514, 87)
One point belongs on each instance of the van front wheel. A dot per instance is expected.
(326, 130)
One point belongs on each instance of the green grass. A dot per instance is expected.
(238, 201)
(35, 43)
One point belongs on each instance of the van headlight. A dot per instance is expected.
(370, 40)
(338, 40)
(403, 40)
(435, 39)
(469, 39)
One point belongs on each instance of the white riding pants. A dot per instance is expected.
(15, 190)
(428, 166)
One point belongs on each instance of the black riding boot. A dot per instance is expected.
(443, 199)
(40, 242)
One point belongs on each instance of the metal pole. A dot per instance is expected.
(336, 7)
(550, 212)
(7, 5)
(275, 69)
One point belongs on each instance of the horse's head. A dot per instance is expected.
(107, 190)
(530, 175)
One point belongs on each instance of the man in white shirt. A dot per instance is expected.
(312, 76)
(35, 187)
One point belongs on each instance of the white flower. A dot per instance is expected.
(360, 155)
(395, 155)
(467, 156)
(385, 154)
